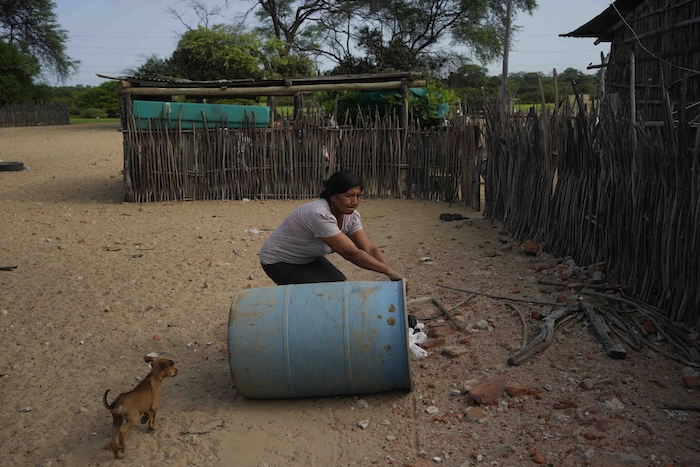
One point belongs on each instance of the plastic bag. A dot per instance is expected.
(417, 336)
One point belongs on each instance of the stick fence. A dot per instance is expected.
(34, 113)
(292, 159)
(613, 191)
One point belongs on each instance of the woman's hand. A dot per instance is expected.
(394, 276)
(398, 277)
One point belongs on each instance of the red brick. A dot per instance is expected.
(531, 248)
(691, 382)
(516, 390)
(488, 391)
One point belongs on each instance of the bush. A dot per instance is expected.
(93, 113)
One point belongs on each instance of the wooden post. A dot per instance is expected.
(403, 131)
(556, 88)
(404, 104)
(682, 113)
(601, 78)
(272, 103)
(542, 98)
(506, 46)
(633, 103)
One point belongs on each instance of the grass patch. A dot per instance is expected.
(93, 120)
(285, 110)
(538, 107)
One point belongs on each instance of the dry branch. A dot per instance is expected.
(544, 338)
(522, 320)
(497, 297)
(446, 312)
(692, 408)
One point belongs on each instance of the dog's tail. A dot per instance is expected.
(104, 400)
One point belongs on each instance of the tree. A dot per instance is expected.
(288, 20)
(204, 10)
(584, 83)
(31, 27)
(102, 97)
(217, 53)
(17, 70)
(472, 83)
(153, 66)
(278, 62)
(393, 34)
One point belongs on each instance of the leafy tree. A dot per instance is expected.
(526, 86)
(471, 83)
(270, 52)
(584, 83)
(290, 21)
(398, 34)
(102, 97)
(152, 66)
(217, 53)
(17, 70)
(225, 52)
(30, 25)
(277, 62)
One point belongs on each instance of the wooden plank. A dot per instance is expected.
(602, 332)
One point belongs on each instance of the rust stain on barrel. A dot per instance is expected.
(368, 292)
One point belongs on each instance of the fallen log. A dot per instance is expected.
(544, 338)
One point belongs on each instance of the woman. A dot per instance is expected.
(294, 253)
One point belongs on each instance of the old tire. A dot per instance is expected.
(11, 166)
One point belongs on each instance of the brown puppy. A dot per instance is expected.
(143, 399)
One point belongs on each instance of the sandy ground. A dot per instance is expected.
(100, 283)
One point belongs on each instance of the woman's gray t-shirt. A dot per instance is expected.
(298, 239)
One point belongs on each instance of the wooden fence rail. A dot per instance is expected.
(592, 185)
(34, 113)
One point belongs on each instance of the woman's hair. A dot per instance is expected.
(340, 182)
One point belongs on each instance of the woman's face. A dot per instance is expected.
(346, 203)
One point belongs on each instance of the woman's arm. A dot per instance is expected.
(359, 250)
(363, 242)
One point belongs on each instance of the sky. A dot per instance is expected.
(110, 36)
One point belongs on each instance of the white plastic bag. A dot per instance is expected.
(415, 338)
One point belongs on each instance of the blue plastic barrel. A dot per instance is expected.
(325, 339)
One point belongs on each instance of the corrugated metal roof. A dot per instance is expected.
(165, 82)
(602, 26)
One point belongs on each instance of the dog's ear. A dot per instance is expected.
(147, 359)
